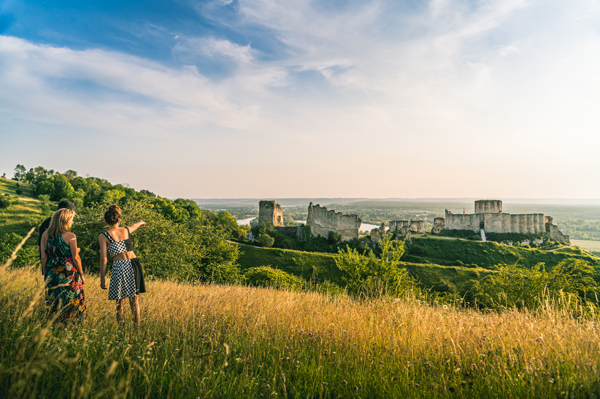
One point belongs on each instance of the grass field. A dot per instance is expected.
(20, 217)
(213, 341)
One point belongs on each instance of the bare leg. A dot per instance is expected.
(120, 305)
(135, 309)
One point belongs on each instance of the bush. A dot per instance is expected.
(372, 276)
(265, 276)
(514, 287)
(265, 240)
(28, 255)
(4, 201)
(166, 249)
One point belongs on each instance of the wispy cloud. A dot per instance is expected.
(441, 81)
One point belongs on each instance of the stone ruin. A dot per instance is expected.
(270, 212)
(404, 227)
(322, 221)
(488, 217)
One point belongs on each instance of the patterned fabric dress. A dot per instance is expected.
(64, 291)
(126, 276)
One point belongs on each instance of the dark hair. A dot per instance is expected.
(113, 214)
(64, 204)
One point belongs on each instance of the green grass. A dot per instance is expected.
(311, 266)
(319, 267)
(212, 341)
(19, 218)
(490, 254)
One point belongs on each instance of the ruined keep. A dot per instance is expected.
(488, 217)
(322, 221)
(270, 212)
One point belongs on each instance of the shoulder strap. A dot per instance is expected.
(109, 237)
(128, 233)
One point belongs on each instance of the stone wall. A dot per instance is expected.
(489, 217)
(270, 212)
(322, 221)
(417, 226)
(496, 222)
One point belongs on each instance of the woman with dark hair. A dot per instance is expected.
(126, 279)
(62, 269)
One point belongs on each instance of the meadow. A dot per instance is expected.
(222, 341)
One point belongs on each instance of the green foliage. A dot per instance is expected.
(19, 173)
(28, 255)
(372, 276)
(265, 276)
(165, 248)
(44, 203)
(517, 287)
(265, 240)
(4, 201)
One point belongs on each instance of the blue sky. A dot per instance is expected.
(265, 98)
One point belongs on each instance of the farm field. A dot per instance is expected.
(587, 245)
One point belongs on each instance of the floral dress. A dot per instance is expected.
(64, 291)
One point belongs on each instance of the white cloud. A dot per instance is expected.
(459, 90)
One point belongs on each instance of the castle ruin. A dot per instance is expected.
(322, 221)
(270, 212)
(488, 217)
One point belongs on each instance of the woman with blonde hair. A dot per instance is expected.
(126, 278)
(62, 270)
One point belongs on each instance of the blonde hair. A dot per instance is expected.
(58, 223)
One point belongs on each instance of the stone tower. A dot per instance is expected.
(270, 212)
(488, 206)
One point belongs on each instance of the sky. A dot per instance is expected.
(302, 98)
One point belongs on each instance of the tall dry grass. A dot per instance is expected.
(233, 341)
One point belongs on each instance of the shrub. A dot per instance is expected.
(28, 255)
(516, 287)
(372, 276)
(4, 201)
(166, 249)
(265, 240)
(265, 276)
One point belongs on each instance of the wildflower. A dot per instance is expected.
(345, 382)
(285, 348)
(324, 383)
(416, 385)
(356, 388)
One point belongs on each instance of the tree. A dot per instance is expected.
(372, 276)
(70, 174)
(62, 188)
(19, 172)
(265, 240)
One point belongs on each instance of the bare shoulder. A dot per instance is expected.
(68, 236)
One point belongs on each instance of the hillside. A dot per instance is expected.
(22, 215)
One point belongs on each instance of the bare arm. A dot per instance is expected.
(43, 254)
(134, 227)
(75, 256)
(103, 260)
